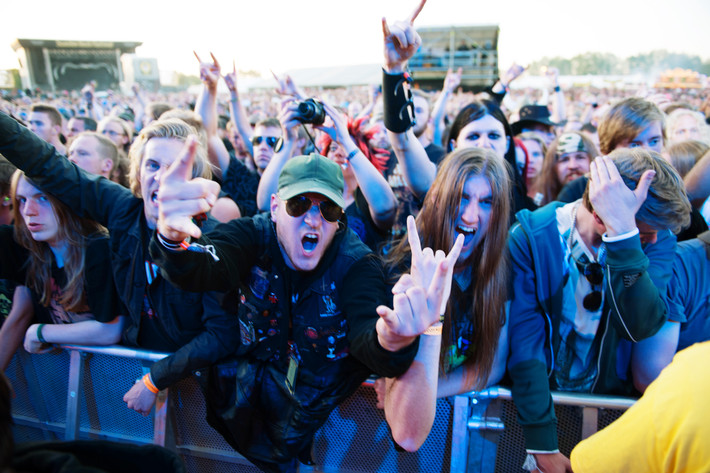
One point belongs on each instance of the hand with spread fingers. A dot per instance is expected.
(419, 297)
(613, 202)
(180, 197)
(401, 41)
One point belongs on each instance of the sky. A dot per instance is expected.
(284, 35)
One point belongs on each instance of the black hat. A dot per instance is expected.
(532, 114)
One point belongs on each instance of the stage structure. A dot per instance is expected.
(54, 65)
(473, 48)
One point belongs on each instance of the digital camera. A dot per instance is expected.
(311, 111)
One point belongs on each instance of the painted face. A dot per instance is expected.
(85, 153)
(114, 132)
(486, 132)
(651, 138)
(535, 158)
(474, 213)
(158, 155)
(38, 213)
(421, 112)
(263, 152)
(686, 129)
(42, 126)
(75, 127)
(305, 239)
(570, 166)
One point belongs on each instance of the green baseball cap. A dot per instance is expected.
(312, 173)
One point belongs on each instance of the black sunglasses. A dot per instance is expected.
(299, 205)
(594, 272)
(270, 140)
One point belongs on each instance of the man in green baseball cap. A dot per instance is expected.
(308, 291)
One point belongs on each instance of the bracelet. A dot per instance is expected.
(436, 329)
(352, 154)
(149, 384)
(557, 88)
(173, 244)
(39, 333)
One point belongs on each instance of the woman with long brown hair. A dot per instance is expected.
(471, 197)
(64, 261)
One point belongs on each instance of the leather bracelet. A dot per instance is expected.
(398, 106)
(39, 333)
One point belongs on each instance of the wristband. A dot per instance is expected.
(39, 333)
(149, 384)
(436, 329)
(173, 244)
(557, 88)
(397, 99)
(352, 154)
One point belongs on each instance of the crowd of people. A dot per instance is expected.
(292, 243)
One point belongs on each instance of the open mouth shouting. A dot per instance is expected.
(309, 242)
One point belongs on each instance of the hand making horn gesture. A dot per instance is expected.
(401, 41)
(210, 72)
(180, 196)
(421, 296)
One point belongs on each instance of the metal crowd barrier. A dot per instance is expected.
(77, 393)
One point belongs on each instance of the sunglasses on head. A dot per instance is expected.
(299, 205)
(594, 272)
(270, 140)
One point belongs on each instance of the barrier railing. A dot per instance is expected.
(77, 393)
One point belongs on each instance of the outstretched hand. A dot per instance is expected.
(401, 41)
(419, 297)
(180, 197)
(613, 202)
(210, 72)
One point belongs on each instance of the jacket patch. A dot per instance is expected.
(630, 279)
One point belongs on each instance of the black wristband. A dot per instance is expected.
(397, 100)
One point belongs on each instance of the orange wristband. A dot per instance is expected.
(149, 384)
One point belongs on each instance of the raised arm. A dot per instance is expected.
(451, 82)
(236, 110)
(401, 41)
(374, 187)
(269, 182)
(206, 108)
(419, 299)
(559, 105)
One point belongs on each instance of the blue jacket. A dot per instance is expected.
(634, 309)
